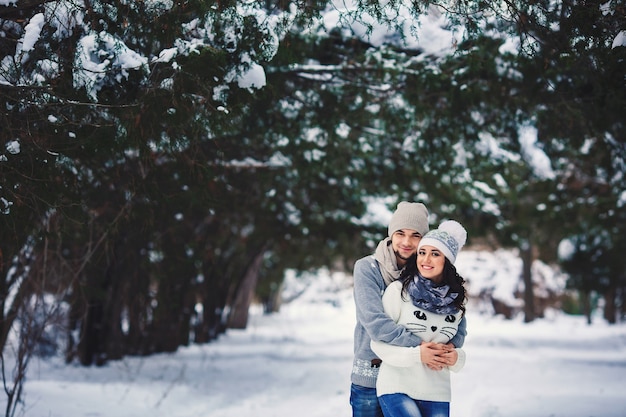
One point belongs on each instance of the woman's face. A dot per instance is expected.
(430, 262)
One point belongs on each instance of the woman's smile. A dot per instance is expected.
(430, 262)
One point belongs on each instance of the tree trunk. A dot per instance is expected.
(238, 317)
(275, 299)
(205, 329)
(21, 288)
(529, 296)
(585, 299)
(610, 308)
(165, 332)
(90, 346)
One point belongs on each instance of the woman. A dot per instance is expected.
(429, 300)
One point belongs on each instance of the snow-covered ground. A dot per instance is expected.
(297, 362)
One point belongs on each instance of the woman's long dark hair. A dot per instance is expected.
(450, 277)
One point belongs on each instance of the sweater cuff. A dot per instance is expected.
(460, 362)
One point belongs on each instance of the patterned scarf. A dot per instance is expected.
(427, 296)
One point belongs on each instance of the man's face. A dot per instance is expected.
(404, 244)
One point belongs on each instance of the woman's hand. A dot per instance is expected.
(450, 357)
(437, 355)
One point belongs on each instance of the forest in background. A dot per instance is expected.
(148, 195)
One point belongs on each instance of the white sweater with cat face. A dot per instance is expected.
(402, 370)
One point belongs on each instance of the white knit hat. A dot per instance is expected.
(412, 216)
(449, 238)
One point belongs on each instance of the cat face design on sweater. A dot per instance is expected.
(432, 327)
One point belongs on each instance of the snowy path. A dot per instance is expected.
(298, 363)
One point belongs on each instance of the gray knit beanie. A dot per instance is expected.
(449, 238)
(412, 216)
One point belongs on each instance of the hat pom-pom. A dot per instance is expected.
(454, 229)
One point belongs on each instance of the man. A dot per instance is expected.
(372, 274)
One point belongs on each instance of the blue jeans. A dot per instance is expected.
(364, 402)
(401, 405)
